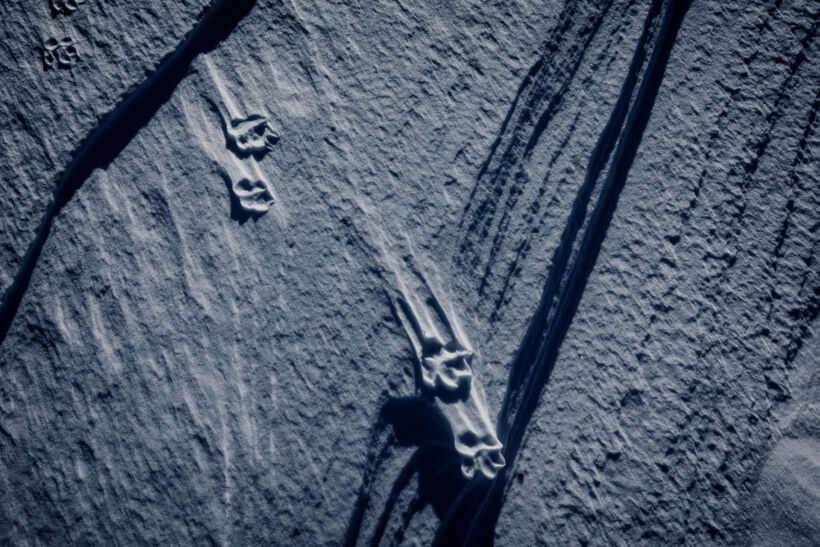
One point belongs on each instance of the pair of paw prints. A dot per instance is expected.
(65, 7)
(251, 136)
(444, 360)
(60, 53)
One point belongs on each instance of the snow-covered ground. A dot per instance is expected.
(407, 272)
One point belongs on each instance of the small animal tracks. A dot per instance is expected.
(444, 367)
(236, 132)
(65, 7)
(251, 136)
(59, 53)
(254, 196)
(444, 371)
(249, 139)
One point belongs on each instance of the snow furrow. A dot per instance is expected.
(543, 88)
(473, 522)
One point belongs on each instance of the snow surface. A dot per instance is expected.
(408, 272)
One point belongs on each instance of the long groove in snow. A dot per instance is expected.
(546, 83)
(472, 519)
(115, 131)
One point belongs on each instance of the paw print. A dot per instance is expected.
(447, 370)
(254, 195)
(65, 7)
(444, 367)
(59, 53)
(253, 135)
(482, 454)
(445, 375)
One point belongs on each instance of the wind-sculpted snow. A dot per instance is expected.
(409, 273)
(53, 97)
(106, 141)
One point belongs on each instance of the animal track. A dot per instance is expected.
(447, 370)
(251, 135)
(444, 368)
(238, 147)
(59, 53)
(254, 196)
(445, 374)
(65, 7)
(481, 453)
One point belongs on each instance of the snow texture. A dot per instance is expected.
(410, 273)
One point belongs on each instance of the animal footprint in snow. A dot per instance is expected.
(446, 375)
(447, 370)
(65, 6)
(444, 367)
(252, 135)
(60, 53)
(480, 453)
(254, 196)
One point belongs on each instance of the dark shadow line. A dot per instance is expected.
(118, 128)
(410, 469)
(531, 73)
(402, 422)
(538, 353)
(527, 357)
(354, 525)
(423, 497)
(561, 24)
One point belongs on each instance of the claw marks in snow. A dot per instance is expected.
(59, 53)
(65, 7)
(444, 374)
